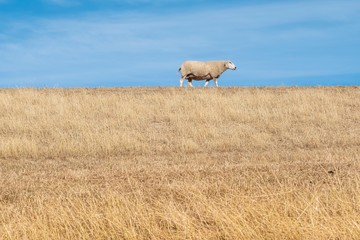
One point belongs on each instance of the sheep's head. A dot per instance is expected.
(230, 65)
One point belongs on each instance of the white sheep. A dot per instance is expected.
(196, 70)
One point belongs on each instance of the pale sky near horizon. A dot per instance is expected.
(110, 43)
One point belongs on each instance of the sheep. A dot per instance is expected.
(196, 70)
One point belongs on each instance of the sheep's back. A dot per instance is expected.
(196, 68)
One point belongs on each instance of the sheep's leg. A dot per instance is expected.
(216, 83)
(206, 83)
(190, 83)
(181, 81)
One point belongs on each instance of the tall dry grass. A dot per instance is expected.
(170, 163)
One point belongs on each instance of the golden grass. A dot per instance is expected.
(171, 163)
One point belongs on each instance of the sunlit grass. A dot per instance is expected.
(171, 163)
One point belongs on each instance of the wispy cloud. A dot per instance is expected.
(67, 3)
(267, 41)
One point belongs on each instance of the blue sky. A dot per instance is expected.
(106, 43)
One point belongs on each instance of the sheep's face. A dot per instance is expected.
(230, 65)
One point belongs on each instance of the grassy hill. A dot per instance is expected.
(180, 163)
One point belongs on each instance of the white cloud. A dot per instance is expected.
(63, 2)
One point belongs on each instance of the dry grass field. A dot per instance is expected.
(171, 163)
